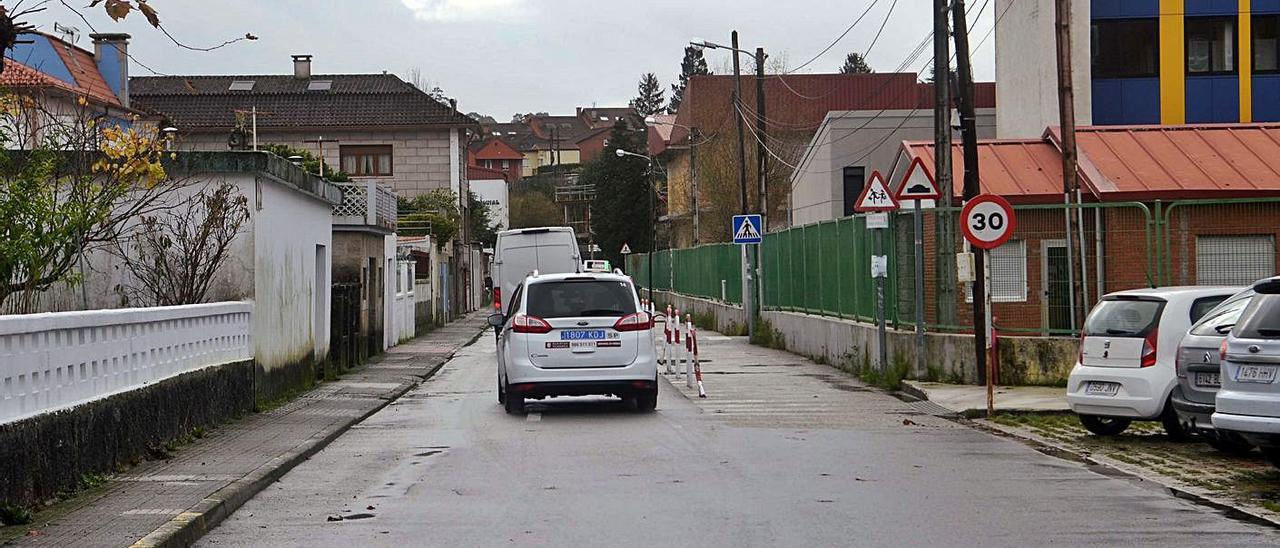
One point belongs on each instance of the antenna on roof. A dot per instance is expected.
(69, 34)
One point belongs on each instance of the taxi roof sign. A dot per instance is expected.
(875, 196)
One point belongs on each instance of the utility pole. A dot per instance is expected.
(693, 179)
(747, 290)
(969, 134)
(945, 263)
(1067, 123)
(762, 171)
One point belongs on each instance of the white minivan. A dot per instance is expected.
(1128, 350)
(520, 252)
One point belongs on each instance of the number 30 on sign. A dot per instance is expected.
(988, 221)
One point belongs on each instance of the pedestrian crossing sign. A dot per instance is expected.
(746, 229)
(626, 249)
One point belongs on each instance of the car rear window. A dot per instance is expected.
(1262, 319)
(1124, 317)
(572, 298)
(1220, 320)
(1203, 305)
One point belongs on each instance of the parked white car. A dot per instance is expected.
(575, 335)
(1249, 401)
(1127, 354)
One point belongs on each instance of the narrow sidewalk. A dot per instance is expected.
(968, 399)
(173, 502)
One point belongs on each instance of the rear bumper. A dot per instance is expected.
(520, 370)
(1261, 431)
(1142, 393)
(583, 388)
(1197, 414)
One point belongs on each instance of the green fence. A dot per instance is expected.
(825, 268)
(712, 271)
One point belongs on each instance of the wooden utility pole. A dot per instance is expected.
(969, 134)
(1067, 123)
(945, 265)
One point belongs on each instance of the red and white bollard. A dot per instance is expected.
(688, 347)
(666, 348)
(697, 367)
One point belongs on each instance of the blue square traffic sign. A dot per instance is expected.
(746, 229)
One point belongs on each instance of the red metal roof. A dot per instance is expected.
(1180, 162)
(1023, 171)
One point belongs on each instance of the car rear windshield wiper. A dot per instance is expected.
(1114, 331)
(1224, 328)
(603, 312)
(1268, 332)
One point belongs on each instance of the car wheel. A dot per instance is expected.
(514, 404)
(1273, 455)
(1104, 426)
(646, 402)
(1172, 426)
(1229, 442)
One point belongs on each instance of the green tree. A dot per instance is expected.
(309, 162)
(621, 212)
(483, 227)
(693, 63)
(434, 213)
(649, 100)
(855, 63)
(532, 208)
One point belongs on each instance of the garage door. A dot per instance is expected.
(1234, 260)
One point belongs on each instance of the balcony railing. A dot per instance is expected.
(366, 204)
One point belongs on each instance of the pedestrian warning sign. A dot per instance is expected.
(746, 229)
(876, 196)
(626, 249)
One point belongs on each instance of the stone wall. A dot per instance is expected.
(43, 455)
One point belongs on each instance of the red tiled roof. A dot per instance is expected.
(1180, 162)
(495, 148)
(477, 173)
(1023, 171)
(80, 63)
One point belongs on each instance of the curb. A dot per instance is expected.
(187, 528)
(1119, 469)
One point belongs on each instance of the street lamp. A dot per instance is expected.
(653, 210)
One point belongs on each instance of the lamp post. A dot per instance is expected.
(750, 298)
(693, 180)
(653, 210)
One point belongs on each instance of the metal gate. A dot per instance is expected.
(345, 343)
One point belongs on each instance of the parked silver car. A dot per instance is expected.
(1249, 401)
(1198, 373)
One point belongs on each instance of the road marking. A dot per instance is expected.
(534, 417)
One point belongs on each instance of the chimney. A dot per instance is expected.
(111, 54)
(302, 66)
(453, 104)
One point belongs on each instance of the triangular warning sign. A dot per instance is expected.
(626, 249)
(747, 231)
(918, 183)
(875, 196)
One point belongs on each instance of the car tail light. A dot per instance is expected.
(497, 298)
(530, 324)
(1149, 348)
(639, 321)
(1222, 351)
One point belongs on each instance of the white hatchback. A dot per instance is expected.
(575, 335)
(1128, 349)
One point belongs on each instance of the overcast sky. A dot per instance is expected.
(500, 57)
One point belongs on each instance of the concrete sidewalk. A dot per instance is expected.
(175, 501)
(964, 398)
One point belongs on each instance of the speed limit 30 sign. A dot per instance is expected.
(988, 221)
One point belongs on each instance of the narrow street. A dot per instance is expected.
(784, 452)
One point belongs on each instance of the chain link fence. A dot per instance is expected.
(1059, 261)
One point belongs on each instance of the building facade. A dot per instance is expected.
(1141, 62)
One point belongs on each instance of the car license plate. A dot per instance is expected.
(1102, 388)
(582, 335)
(1257, 373)
(1208, 379)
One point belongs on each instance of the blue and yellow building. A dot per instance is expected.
(1185, 61)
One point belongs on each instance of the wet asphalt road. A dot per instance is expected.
(444, 466)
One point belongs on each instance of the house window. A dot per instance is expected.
(1008, 270)
(366, 160)
(1125, 48)
(1211, 45)
(505, 165)
(1234, 260)
(1266, 43)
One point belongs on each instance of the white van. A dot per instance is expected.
(548, 250)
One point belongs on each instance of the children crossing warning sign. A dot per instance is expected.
(746, 229)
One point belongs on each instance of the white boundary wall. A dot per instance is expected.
(57, 360)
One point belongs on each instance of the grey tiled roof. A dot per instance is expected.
(283, 101)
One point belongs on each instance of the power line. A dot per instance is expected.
(838, 38)
(760, 140)
(867, 52)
